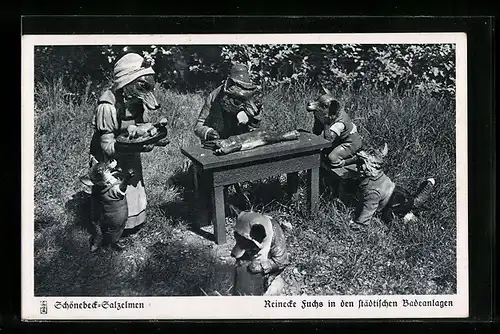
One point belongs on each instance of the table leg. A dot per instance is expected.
(219, 214)
(196, 180)
(313, 188)
(200, 209)
(202, 203)
(292, 183)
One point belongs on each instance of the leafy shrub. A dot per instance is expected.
(399, 67)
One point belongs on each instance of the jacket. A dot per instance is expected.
(277, 257)
(110, 119)
(213, 116)
(113, 204)
(375, 193)
(349, 130)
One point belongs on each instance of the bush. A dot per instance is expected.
(428, 68)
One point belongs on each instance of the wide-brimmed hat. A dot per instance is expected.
(240, 75)
(130, 67)
(244, 223)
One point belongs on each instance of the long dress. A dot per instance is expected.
(110, 119)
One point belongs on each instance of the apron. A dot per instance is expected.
(136, 192)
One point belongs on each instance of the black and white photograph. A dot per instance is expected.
(235, 176)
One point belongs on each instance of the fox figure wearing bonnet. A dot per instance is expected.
(124, 105)
(138, 91)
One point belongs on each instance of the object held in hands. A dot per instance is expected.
(144, 134)
(242, 117)
(247, 283)
(248, 141)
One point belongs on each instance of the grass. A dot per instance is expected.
(166, 258)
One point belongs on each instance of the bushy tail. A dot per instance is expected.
(423, 193)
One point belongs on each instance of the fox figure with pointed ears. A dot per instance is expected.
(379, 194)
(334, 124)
(109, 203)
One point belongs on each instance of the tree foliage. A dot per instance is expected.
(427, 67)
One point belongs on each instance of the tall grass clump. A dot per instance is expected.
(62, 135)
(165, 258)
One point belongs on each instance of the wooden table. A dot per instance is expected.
(212, 173)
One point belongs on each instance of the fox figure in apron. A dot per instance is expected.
(125, 105)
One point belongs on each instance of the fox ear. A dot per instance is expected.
(326, 90)
(385, 150)
(86, 181)
(93, 160)
(236, 211)
(334, 108)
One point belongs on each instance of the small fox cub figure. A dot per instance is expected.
(109, 203)
(261, 254)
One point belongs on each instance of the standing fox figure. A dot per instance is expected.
(109, 203)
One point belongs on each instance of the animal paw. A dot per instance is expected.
(163, 142)
(255, 267)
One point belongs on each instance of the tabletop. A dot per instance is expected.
(307, 142)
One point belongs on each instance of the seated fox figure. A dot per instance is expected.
(333, 123)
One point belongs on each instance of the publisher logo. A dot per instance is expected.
(43, 307)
